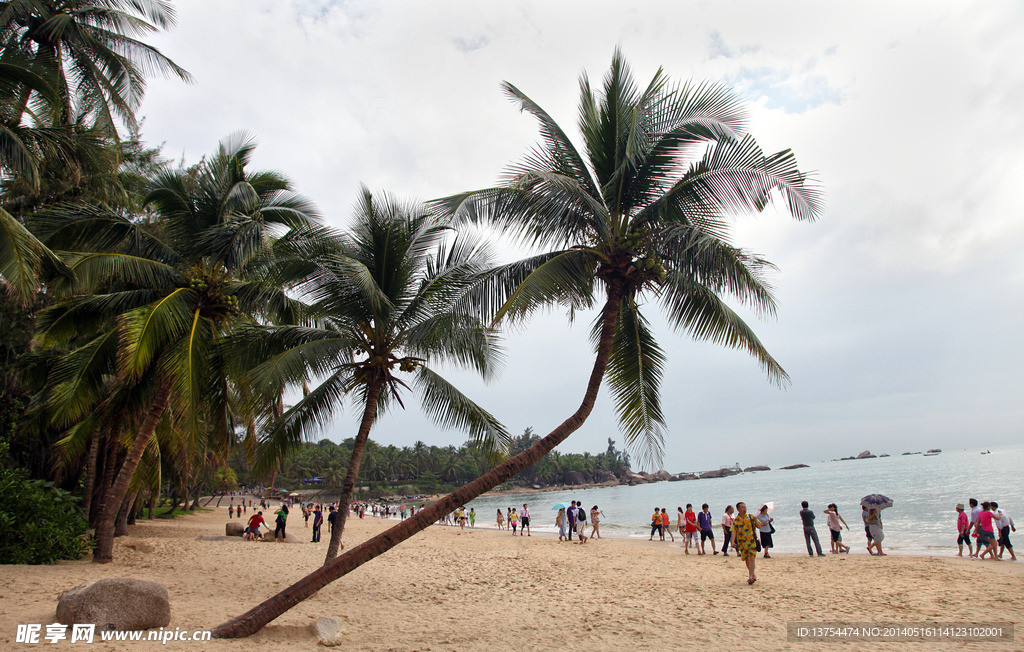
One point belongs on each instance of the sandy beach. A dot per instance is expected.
(452, 589)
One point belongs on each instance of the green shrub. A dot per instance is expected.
(39, 523)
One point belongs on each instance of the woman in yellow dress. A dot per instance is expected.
(744, 531)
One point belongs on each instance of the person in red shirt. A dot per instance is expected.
(253, 531)
(690, 534)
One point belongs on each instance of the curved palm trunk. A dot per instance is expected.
(256, 618)
(103, 553)
(348, 487)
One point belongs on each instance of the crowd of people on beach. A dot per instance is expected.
(989, 525)
(985, 529)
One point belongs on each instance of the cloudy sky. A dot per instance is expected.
(901, 311)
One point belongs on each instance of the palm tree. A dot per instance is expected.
(388, 304)
(645, 213)
(153, 303)
(92, 48)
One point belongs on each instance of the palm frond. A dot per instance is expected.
(450, 408)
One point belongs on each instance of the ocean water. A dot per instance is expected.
(925, 491)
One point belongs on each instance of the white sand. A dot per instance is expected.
(447, 589)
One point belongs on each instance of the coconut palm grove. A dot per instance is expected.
(172, 330)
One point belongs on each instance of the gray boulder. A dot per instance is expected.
(288, 538)
(602, 475)
(865, 455)
(116, 603)
(760, 467)
(234, 528)
(662, 475)
(573, 477)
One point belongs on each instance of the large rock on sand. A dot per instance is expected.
(288, 538)
(116, 603)
(234, 528)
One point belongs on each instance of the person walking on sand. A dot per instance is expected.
(501, 520)
(963, 531)
(986, 531)
(835, 524)
(726, 530)
(318, 521)
(231, 512)
(560, 524)
(595, 521)
(581, 522)
(1004, 524)
(744, 531)
(570, 514)
(524, 521)
(810, 534)
(513, 521)
(764, 522)
(874, 522)
(666, 525)
(680, 523)
(656, 525)
(691, 529)
(975, 511)
(706, 529)
(472, 517)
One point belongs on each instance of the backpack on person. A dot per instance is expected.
(581, 516)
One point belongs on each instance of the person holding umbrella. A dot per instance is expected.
(873, 506)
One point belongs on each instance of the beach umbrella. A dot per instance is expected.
(560, 506)
(878, 501)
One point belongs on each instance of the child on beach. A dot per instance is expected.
(513, 520)
(656, 525)
(666, 525)
(560, 524)
(835, 528)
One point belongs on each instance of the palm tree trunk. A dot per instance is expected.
(90, 474)
(369, 415)
(103, 553)
(256, 618)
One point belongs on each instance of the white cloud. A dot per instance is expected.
(899, 308)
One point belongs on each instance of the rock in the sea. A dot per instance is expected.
(234, 528)
(572, 477)
(662, 475)
(116, 603)
(328, 631)
(795, 466)
(865, 455)
(760, 467)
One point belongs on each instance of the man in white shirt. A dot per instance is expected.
(1003, 526)
(524, 521)
(975, 510)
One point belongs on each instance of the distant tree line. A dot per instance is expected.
(423, 468)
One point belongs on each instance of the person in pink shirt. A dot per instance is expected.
(963, 531)
(986, 531)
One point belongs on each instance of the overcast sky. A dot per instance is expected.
(901, 311)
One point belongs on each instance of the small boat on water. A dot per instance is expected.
(985, 452)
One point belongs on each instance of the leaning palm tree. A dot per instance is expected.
(643, 213)
(153, 302)
(388, 305)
